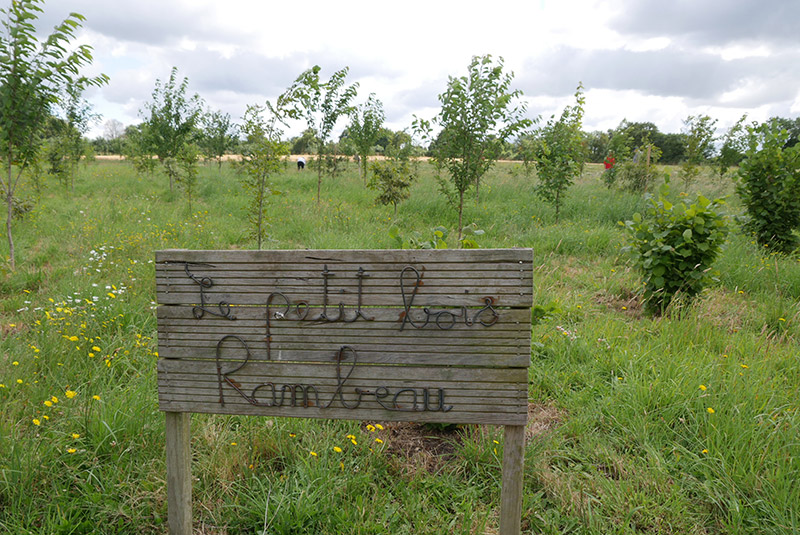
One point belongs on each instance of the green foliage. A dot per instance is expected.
(171, 124)
(366, 121)
(559, 153)
(219, 135)
(479, 112)
(698, 143)
(674, 246)
(639, 173)
(392, 178)
(261, 158)
(769, 186)
(733, 147)
(320, 104)
(33, 74)
(437, 239)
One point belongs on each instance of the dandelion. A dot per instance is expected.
(234, 444)
(313, 453)
(624, 308)
(496, 442)
(54, 399)
(341, 466)
(351, 437)
(19, 381)
(2, 385)
(15, 363)
(337, 449)
(71, 450)
(48, 403)
(379, 441)
(704, 451)
(76, 436)
(703, 388)
(95, 348)
(292, 435)
(710, 410)
(745, 366)
(379, 426)
(96, 397)
(781, 319)
(70, 394)
(36, 421)
(370, 428)
(73, 338)
(354, 442)
(46, 417)
(112, 296)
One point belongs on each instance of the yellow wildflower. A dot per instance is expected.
(15, 363)
(71, 450)
(703, 388)
(54, 399)
(710, 410)
(704, 451)
(337, 449)
(70, 394)
(36, 422)
(48, 403)
(76, 436)
(313, 453)
(379, 426)
(96, 397)
(379, 441)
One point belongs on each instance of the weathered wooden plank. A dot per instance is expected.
(469, 391)
(338, 255)
(300, 371)
(383, 318)
(472, 298)
(512, 479)
(377, 415)
(179, 473)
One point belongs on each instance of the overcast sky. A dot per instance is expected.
(641, 60)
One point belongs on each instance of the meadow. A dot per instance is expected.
(685, 424)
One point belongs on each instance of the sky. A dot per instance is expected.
(641, 60)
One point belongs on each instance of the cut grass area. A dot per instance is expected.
(621, 437)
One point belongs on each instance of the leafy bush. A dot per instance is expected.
(640, 172)
(769, 186)
(392, 179)
(674, 246)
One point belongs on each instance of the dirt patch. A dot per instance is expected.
(541, 419)
(426, 447)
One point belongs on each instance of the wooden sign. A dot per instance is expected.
(389, 335)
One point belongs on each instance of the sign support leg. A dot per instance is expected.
(511, 492)
(179, 473)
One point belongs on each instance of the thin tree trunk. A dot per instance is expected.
(260, 211)
(319, 178)
(364, 168)
(9, 199)
(460, 210)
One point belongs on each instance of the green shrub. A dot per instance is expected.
(769, 186)
(674, 246)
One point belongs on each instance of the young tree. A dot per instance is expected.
(219, 135)
(261, 157)
(366, 121)
(78, 117)
(769, 186)
(733, 146)
(479, 112)
(33, 74)
(320, 104)
(698, 139)
(559, 153)
(172, 124)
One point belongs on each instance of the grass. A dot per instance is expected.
(622, 438)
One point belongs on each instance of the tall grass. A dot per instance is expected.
(683, 424)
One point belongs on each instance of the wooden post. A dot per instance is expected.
(179, 473)
(511, 493)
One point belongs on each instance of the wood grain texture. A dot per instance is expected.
(474, 355)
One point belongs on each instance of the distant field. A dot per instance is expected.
(686, 424)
